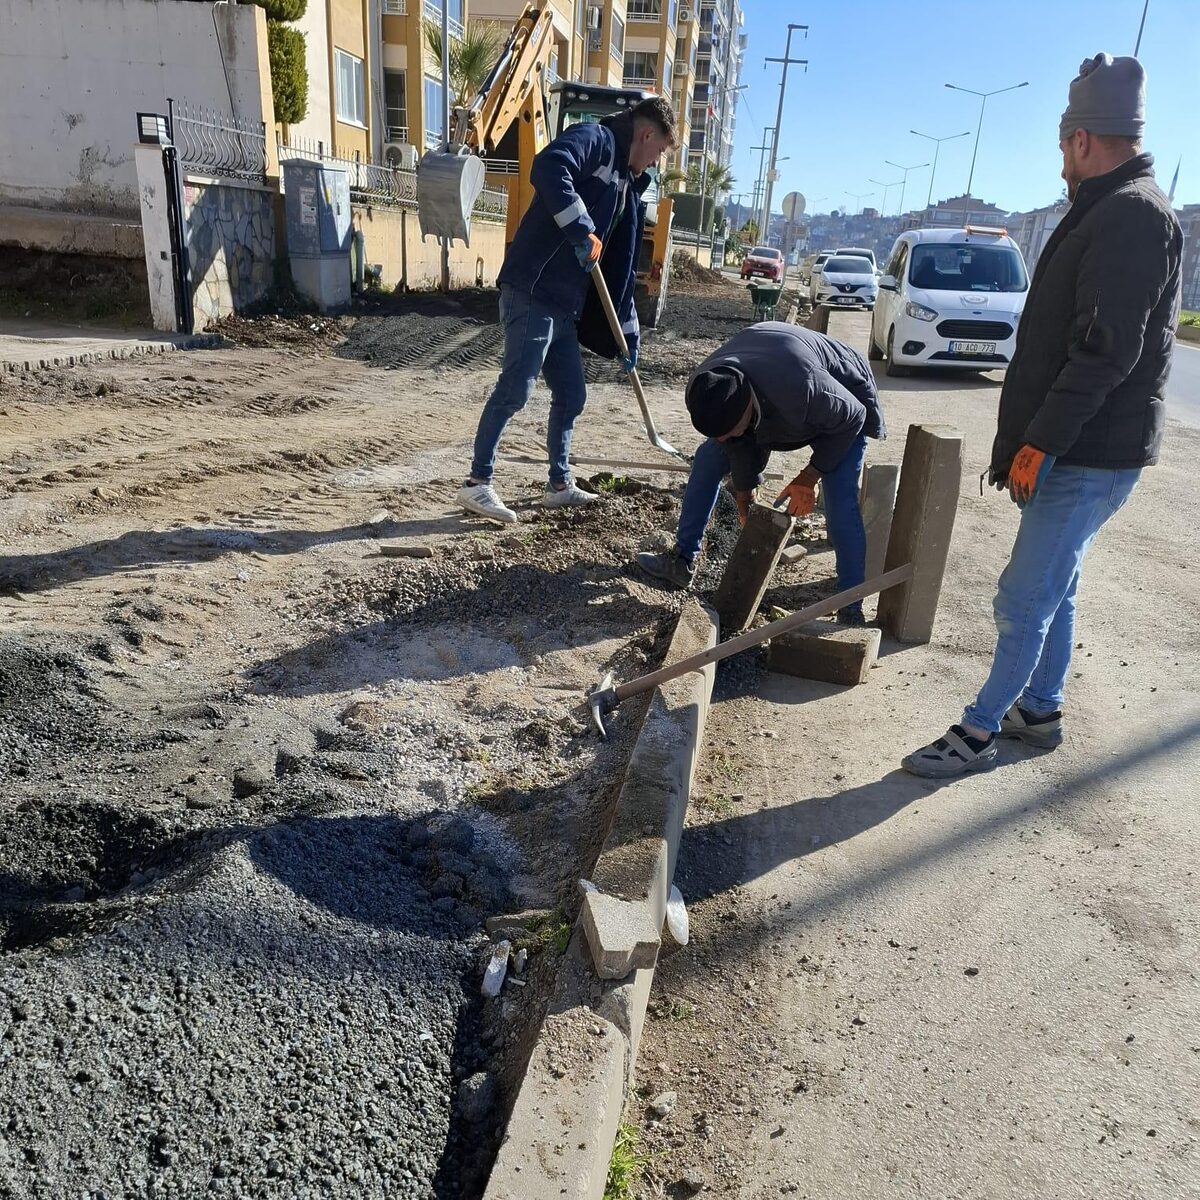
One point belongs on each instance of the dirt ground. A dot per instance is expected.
(263, 786)
(987, 988)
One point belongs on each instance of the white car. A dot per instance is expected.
(845, 281)
(861, 251)
(949, 298)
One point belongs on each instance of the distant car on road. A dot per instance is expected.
(949, 298)
(846, 280)
(765, 261)
(859, 251)
(818, 265)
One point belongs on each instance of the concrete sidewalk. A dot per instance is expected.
(31, 345)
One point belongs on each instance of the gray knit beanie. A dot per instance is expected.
(1107, 96)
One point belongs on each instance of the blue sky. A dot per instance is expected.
(877, 68)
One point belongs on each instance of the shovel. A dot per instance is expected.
(606, 697)
(656, 439)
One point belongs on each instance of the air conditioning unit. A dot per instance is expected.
(685, 16)
(400, 154)
(594, 14)
(681, 68)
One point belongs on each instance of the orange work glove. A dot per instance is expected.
(1029, 469)
(589, 252)
(744, 500)
(801, 496)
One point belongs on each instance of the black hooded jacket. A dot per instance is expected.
(1094, 345)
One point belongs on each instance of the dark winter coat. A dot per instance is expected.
(583, 186)
(1094, 345)
(811, 391)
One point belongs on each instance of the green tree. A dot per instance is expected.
(283, 10)
(289, 72)
(749, 231)
(472, 57)
(718, 180)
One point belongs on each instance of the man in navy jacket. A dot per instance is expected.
(587, 211)
(776, 386)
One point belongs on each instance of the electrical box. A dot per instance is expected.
(317, 209)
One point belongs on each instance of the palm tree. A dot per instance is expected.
(719, 179)
(472, 56)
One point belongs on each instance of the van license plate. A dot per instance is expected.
(972, 347)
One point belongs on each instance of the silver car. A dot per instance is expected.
(846, 281)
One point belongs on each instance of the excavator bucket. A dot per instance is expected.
(448, 184)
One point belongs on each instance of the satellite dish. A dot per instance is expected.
(794, 205)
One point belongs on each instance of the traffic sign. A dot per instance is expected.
(794, 205)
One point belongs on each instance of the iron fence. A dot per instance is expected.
(386, 186)
(213, 143)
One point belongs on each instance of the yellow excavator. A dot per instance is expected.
(512, 118)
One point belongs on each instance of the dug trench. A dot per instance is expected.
(264, 788)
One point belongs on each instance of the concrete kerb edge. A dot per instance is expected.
(568, 1109)
(199, 341)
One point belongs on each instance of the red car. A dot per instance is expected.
(763, 260)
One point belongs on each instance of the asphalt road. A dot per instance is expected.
(1183, 389)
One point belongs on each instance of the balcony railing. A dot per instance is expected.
(433, 12)
(644, 10)
(395, 8)
(640, 81)
(397, 133)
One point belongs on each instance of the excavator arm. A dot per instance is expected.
(513, 87)
(450, 180)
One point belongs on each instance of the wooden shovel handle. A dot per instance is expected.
(614, 324)
(755, 637)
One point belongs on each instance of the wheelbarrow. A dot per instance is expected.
(765, 297)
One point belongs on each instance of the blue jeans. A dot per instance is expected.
(843, 516)
(538, 340)
(1035, 600)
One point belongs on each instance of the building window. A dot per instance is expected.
(666, 84)
(351, 89)
(617, 43)
(671, 19)
(433, 111)
(641, 67)
(395, 106)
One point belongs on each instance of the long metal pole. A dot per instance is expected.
(787, 59)
(937, 145)
(445, 125)
(975, 152)
(1142, 26)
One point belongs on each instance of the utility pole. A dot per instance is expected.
(787, 61)
(937, 145)
(1138, 47)
(904, 185)
(445, 125)
(756, 199)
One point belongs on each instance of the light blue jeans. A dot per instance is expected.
(538, 340)
(1035, 600)
(843, 517)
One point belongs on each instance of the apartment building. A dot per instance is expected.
(720, 52)
(375, 91)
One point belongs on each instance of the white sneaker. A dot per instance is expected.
(569, 497)
(481, 499)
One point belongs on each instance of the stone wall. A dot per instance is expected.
(231, 244)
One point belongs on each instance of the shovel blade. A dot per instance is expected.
(448, 185)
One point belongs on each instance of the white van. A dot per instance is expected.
(858, 252)
(949, 298)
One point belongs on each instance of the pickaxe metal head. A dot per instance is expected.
(602, 700)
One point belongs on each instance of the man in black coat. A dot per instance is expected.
(776, 386)
(1082, 409)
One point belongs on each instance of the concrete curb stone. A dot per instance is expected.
(560, 1135)
(131, 350)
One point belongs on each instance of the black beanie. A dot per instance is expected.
(716, 400)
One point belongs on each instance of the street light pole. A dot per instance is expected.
(887, 187)
(758, 183)
(983, 99)
(904, 184)
(937, 145)
(858, 198)
(787, 61)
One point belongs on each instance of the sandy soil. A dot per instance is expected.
(989, 988)
(262, 785)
